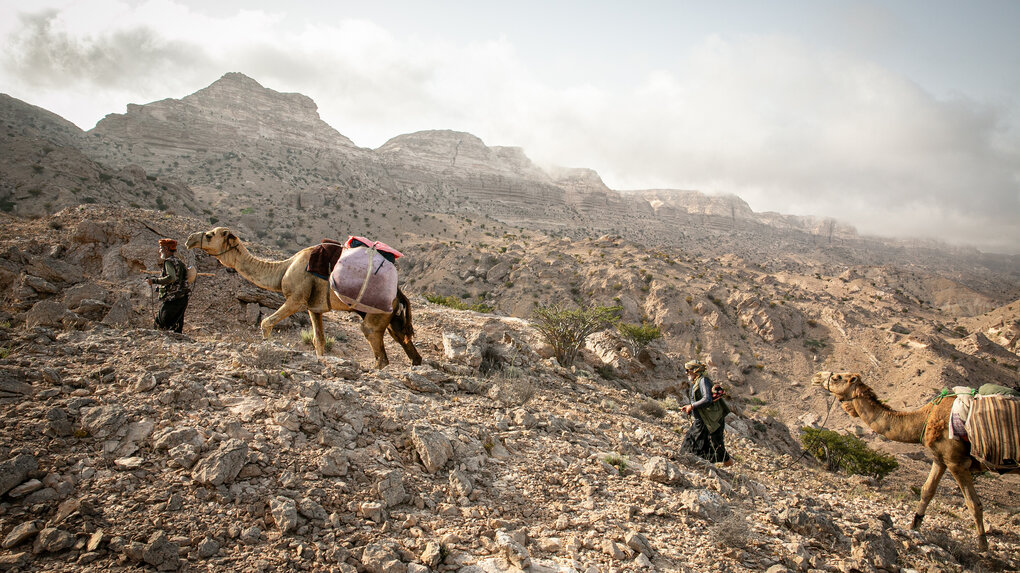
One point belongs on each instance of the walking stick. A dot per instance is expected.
(152, 304)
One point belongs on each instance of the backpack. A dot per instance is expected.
(990, 389)
(718, 392)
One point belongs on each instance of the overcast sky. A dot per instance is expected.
(901, 118)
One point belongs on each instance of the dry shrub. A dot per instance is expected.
(649, 408)
(511, 387)
(731, 531)
(267, 357)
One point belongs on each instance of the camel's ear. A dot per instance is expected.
(854, 378)
(232, 239)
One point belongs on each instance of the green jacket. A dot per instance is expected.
(173, 283)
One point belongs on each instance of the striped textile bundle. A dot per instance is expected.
(994, 430)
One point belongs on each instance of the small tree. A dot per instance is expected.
(565, 330)
(639, 336)
(846, 452)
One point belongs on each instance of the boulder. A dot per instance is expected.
(223, 465)
(47, 312)
(434, 448)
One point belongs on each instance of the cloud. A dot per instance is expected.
(794, 130)
(44, 55)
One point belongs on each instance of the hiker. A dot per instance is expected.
(705, 436)
(173, 288)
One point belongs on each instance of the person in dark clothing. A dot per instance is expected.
(705, 436)
(173, 288)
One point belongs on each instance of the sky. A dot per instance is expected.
(901, 117)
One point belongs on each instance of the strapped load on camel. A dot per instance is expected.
(989, 419)
(993, 427)
(365, 277)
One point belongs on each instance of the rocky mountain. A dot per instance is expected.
(259, 159)
(127, 447)
(44, 169)
(233, 109)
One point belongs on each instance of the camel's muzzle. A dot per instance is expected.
(819, 380)
(194, 240)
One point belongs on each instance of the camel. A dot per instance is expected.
(927, 425)
(305, 290)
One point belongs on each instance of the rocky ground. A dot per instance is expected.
(135, 447)
(123, 447)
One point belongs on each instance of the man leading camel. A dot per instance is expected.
(705, 436)
(173, 288)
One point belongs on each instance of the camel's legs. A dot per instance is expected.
(928, 492)
(318, 333)
(373, 326)
(966, 481)
(407, 344)
(288, 308)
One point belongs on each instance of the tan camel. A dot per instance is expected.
(927, 425)
(303, 290)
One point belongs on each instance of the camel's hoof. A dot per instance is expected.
(917, 521)
(982, 544)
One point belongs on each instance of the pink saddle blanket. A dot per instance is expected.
(365, 277)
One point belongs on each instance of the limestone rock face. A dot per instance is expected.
(234, 108)
(451, 167)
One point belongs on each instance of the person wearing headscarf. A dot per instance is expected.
(173, 288)
(705, 436)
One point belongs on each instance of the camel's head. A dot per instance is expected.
(841, 385)
(214, 241)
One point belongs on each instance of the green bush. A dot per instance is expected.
(565, 330)
(849, 453)
(639, 335)
(815, 345)
(617, 461)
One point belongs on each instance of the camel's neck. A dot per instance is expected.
(895, 425)
(260, 272)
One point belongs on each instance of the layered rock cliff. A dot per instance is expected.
(234, 110)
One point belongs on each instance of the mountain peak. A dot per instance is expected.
(231, 109)
(238, 77)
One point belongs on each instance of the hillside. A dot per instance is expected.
(230, 453)
(213, 450)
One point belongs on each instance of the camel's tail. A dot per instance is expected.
(401, 319)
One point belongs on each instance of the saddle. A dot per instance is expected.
(324, 257)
